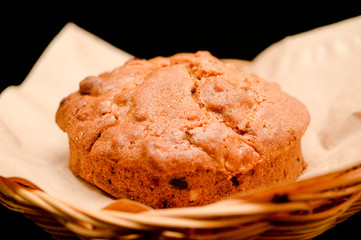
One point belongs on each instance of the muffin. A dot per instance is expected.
(185, 130)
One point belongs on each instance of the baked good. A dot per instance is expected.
(184, 130)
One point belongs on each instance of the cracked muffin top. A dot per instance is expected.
(182, 113)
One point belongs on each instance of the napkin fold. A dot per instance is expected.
(31, 144)
(322, 68)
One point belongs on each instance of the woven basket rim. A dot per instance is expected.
(300, 209)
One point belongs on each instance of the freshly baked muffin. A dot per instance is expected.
(184, 130)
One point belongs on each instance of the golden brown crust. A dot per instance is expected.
(182, 131)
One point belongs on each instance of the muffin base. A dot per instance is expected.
(195, 188)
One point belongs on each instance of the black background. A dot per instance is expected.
(226, 29)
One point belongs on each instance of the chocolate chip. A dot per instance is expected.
(164, 204)
(235, 182)
(179, 183)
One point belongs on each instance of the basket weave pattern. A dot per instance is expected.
(300, 210)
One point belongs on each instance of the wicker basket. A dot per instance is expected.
(300, 210)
